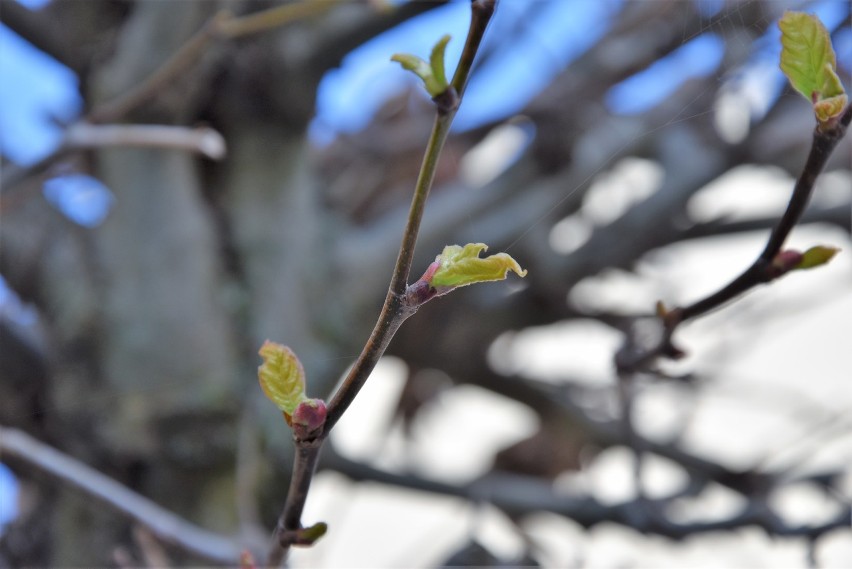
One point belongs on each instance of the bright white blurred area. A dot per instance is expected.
(772, 392)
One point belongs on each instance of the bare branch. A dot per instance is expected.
(167, 526)
(519, 495)
(86, 136)
(639, 352)
(396, 308)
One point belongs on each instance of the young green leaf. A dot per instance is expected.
(310, 535)
(816, 256)
(460, 266)
(436, 60)
(432, 73)
(809, 62)
(281, 377)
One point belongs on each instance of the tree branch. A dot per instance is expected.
(520, 495)
(167, 526)
(86, 136)
(397, 307)
(638, 353)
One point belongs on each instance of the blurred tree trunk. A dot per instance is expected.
(155, 316)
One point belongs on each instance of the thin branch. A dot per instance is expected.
(393, 309)
(290, 521)
(167, 526)
(222, 25)
(274, 17)
(638, 353)
(396, 308)
(86, 136)
(822, 146)
(520, 495)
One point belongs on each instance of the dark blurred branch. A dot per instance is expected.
(164, 524)
(839, 216)
(520, 495)
(824, 142)
(639, 352)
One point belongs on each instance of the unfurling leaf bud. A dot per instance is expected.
(432, 73)
(281, 377)
(309, 535)
(809, 62)
(303, 537)
(460, 266)
(816, 256)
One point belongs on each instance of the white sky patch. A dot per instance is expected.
(374, 526)
(732, 117)
(614, 192)
(746, 99)
(743, 192)
(578, 351)
(615, 290)
(570, 233)
(360, 434)
(457, 438)
(496, 152)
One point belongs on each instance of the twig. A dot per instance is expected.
(222, 25)
(175, 65)
(202, 140)
(396, 308)
(167, 526)
(518, 495)
(290, 522)
(86, 136)
(274, 17)
(636, 355)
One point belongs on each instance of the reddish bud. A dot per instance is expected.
(784, 262)
(308, 419)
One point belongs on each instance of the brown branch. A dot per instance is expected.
(165, 525)
(290, 522)
(397, 307)
(638, 353)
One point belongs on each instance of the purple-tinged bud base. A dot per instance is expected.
(308, 419)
